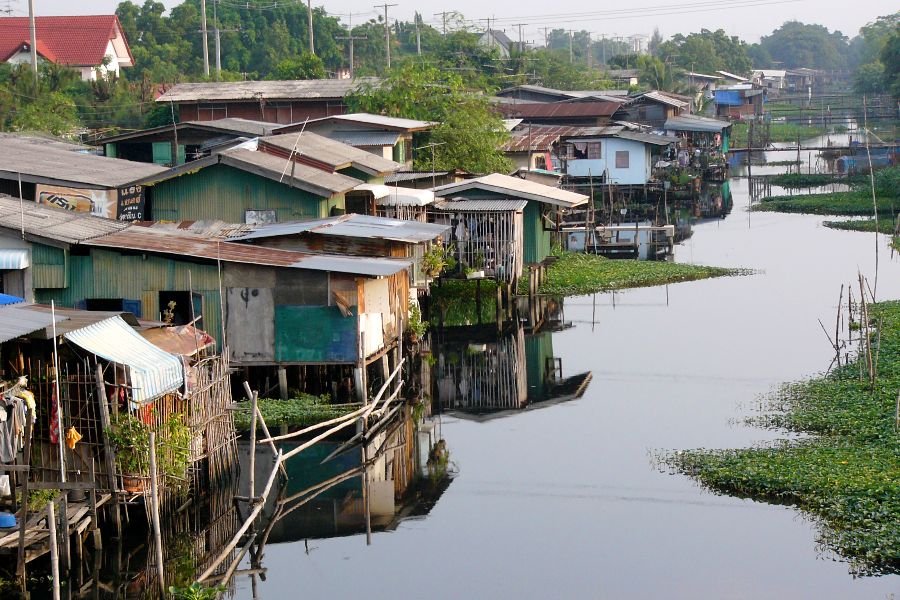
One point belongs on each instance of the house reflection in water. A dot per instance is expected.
(408, 469)
(480, 373)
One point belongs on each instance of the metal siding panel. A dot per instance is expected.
(314, 334)
(50, 266)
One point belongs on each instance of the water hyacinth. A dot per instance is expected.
(846, 474)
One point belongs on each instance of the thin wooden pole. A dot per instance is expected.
(108, 453)
(262, 421)
(254, 411)
(23, 517)
(154, 515)
(54, 550)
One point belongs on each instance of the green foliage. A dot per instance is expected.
(197, 591)
(437, 259)
(54, 113)
(778, 132)
(131, 439)
(304, 66)
(890, 58)
(851, 204)
(848, 474)
(576, 274)
(869, 78)
(301, 411)
(470, 132)
(802, 180)
(706, 52)
(796, 44)
(416, 324)
(455, 300)
(885, 225)
(887, 182)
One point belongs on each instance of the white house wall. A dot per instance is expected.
(637, 173)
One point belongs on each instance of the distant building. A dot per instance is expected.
(282, 102)
(497, 39)
(653, 108)
(739, 101)
(90, 44)
(772, 79)
(613, 155)
(626, 77)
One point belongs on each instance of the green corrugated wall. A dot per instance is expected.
(49, 266)
(537, 239)
(538, 348)
(222, 192)
(107, 274)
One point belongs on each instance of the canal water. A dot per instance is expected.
(569, 501)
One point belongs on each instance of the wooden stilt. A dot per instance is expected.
(54, 550)
(154, 515)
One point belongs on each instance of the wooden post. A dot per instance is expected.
(253, 407)
(154, 514)
(282, 383)
(54, 550)
(23, 515)
(109, 457)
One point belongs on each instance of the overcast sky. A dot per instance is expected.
(748, 19)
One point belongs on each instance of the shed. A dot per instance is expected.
(542, 213)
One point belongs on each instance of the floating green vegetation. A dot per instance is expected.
(847, 474)
(778, 132)
(851, 204)
(302, 411)
(455, 302)
(578, 274)
(886, 225)
(801, 180)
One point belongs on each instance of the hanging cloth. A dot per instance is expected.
(54, 423)
(72, 437)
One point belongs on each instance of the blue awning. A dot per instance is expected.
(152, 371)
(13, 259)
(6, 299)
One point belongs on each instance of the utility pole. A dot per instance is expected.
(603, 47)
(312, 48)
(418, 34)
(351, 39)
(521, 43)
(34, 64)
(387, 33)
(205, 38)
(443, 20)
(571, 50)
(590, 51)
(218, 41)
(489, 33)
(546, 37)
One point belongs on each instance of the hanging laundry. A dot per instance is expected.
(54, 423)
(72, 437)
(7, 438)
(28, 397)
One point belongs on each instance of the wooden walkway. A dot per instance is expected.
(37, 533)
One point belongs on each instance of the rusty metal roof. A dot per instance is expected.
(541, 138)
(560, 109)
(233, 91)
(157, 241)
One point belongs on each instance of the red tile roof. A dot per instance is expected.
(67, 40)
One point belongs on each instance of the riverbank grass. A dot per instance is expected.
(850, 204)
(885, 225)
(302, 411)
(778, 132)
(574, 274)
(847, 474)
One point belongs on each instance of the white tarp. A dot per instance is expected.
(152, 371)
(400, 196)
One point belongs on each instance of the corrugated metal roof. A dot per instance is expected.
(327, 151)
(480, 205)
(53, 223)
(560, 109)
(664, 99)
(148, 239)
(353, 225)
(647, 138)
(305, 177)
(78, 319)
(394, 123)
(695, 123)
(41, 162)
(17, 321)
(364, 138)
(542, 137)
(301, 89)
(514, 187)
(236, 125)
(414, 176)
(13, 259)
(152, 371)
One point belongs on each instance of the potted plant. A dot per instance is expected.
(437, 259)
(131, 438)
(417, 327)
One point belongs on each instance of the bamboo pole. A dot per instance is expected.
(54, 550)
(154, 515)
(319, 438)
(250, 518)
(254, 410)
(264, 427)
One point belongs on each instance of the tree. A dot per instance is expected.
(53, 113)
(304, 66)
(655, 42)
(707, 52)
(890, 58)
(797, 44)
(869, 78)
(470, 132)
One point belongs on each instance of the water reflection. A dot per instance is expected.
(337, 489)
(482, 373)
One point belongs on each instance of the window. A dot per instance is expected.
(593, 151)
(621, 159)
(210, 112)
(182, 306)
